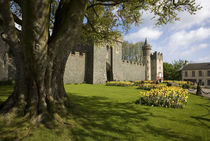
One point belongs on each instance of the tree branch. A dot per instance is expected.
(94, 10)
(17, 20)
(101, 34)
(104, 4)
(67, 27)
(91, 25)
(9, 35)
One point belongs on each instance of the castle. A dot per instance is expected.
(92, 64)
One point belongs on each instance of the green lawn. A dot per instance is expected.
(108, 113)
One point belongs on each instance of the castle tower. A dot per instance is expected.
(147, 60)
(157, 66)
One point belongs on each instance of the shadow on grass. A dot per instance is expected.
(14, 129)
(171, 135)
(100, 119)
(5, 91)
(204, 119)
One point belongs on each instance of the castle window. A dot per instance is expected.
(186, 74)
(200, 73)
(193, 73)
(208, 73)
(208, 82)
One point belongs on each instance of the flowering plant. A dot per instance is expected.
(174, 97)
(183, 84)
(119, 83)
(148, 86)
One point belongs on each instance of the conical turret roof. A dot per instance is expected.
(146, 45)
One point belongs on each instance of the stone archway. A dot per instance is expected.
(109, 72)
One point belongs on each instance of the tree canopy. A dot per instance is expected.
(102, 18)
(132, 52)
(172, 71)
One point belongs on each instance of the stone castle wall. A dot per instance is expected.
(99, 65)
(132, 71)
(75, 68)
(125, 70)
(89, 64)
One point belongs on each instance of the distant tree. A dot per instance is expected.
(168, 71)
(177, 65)
(132, 52)
(173, 71)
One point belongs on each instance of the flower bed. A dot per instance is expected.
(174, 97)
(148, 86)
(137, 83)
(119, 83)
(183, 84)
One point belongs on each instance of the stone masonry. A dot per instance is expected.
(101, 64)
(97, 64)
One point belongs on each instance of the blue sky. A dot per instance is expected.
(187, 39)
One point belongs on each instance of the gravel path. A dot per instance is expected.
(203, 89)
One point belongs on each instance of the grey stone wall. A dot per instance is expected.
(156, 66)
(132, 71)
(117, 62)
(91, 65)
(123, 70)
(99, 64)
(75, 68)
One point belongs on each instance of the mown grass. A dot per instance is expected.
(108, 113)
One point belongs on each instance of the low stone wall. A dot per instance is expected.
(75, 68)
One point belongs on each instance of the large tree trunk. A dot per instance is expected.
(39, 95)
(40, 62)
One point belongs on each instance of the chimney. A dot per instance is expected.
(186, 62)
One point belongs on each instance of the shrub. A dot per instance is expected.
(174, 97)
(120, 83)
(186, 86)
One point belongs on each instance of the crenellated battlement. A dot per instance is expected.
(156, 55)
(132, 63)
(76, 53)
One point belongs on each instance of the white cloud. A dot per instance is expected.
(183, 39)
(187, 45)
(187, 21)
(141, 34)
(193, 49)
(205, 59)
